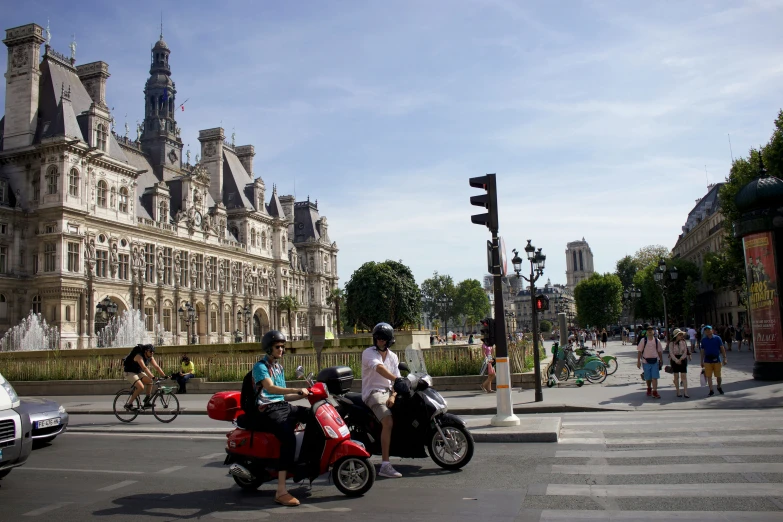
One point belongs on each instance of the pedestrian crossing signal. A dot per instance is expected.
(542, 303)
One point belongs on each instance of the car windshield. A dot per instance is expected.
(415, 358)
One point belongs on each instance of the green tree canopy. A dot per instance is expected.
(439, 298)
(599, 300)
(336, 298)
(382, 292)
(545, 326)
(472, 301)
(626, 269)
(288, 304)
(679, 293)
(649, 255)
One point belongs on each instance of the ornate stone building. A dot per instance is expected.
(579, 263)
(87, 214)
(703, 233)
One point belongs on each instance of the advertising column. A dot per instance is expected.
(765, 310)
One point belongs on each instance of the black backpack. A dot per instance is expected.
(248, 399)
(129, 358)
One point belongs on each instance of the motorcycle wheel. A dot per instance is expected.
(439, 451)
(611, 366)
(353, 476)
(250, 485)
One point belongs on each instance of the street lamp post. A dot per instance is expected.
(663, 277)
(630, 295)
(107, 309)
(244, 312)
(188, 314)
(537, 262)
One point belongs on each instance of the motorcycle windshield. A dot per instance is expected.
(415, 359)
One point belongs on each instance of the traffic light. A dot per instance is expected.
(542, 303)
(488, 331)
(489, 201)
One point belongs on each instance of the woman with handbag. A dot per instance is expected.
(489, 362)
(678, 358)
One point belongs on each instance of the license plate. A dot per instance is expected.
(47, 423)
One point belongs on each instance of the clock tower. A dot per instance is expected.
(160, 135)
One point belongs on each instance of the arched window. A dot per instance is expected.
(326, 265)
(68, 313)
(163, 211)
(101, 193)
(124, 200)
(101, 137)
(36, 189)
(51, 180)
(252, 237)
(581, 261)
(37, 304)
(573, 255)
(73, 183)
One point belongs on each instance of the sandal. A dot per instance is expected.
(287, 500)
(687, 396)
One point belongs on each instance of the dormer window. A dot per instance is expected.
(163, 210)
(101, 137)
(101, 193)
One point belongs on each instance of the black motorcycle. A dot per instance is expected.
(422, 424)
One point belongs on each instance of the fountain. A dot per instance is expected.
(126, 329)
(31, 334)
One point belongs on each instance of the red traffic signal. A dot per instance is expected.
(542, 303)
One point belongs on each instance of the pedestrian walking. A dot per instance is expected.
(711, 350)
(692, 337)
(603, 338)
(489, 361)
(651, 351)
(747, 335)
(678, 359)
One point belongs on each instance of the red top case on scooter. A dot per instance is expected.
(224, 406)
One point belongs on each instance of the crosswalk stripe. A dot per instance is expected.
(670, 452)
(658, 428)
(659, 441)
(722, 490)
(555, 515)
(663, 469)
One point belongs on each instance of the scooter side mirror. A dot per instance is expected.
(310, 378)
(403, 367)
(299, 372)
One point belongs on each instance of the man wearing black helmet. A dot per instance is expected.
(379, 369)
(138, 373)
(276, 415)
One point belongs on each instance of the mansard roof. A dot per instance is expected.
(275, 208)
(64, 122)
(58, 75)
(305, 218)
(235, 177)
(146, 179)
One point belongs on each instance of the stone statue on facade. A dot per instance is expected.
(113, 260)
(221, 276)
(177, 267)
(138, 130)
(235, 277)
(193, 273)
(159, 266)
(208, 274)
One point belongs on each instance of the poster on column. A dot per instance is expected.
(764, 297)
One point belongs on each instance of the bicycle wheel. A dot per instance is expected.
(611, 366)
(165, 407)
(120, 400)
(598, 375)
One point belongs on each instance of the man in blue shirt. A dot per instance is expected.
(711, 350)
(276, 415)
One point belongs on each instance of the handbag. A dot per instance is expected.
(703, 379)
(668, 369)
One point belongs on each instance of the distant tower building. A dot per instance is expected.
(579, 262)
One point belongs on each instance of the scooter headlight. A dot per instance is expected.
(329, 431)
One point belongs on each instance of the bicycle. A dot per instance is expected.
(164, 403)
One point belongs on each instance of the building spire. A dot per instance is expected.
(161, 25)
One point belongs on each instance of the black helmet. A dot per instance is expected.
(270, 338)
(145, 347)
(385, 332)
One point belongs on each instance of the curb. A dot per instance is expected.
(480, 435)
(456, 411)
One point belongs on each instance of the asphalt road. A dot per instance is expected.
(702, 465)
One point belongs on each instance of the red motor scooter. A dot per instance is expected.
(325, 443)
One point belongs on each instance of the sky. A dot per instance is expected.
(602, 120)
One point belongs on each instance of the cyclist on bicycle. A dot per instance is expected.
(138, 373)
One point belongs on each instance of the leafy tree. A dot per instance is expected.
(599, 300)
(336, 298)
(626, 269)
(689, 295)
(288, 304)
(649, 255)
(382, 292)
(650, 304)
(472, 302)
(545, 326)
(439, 298)
(436, 326)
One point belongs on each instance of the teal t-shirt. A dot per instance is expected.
(266, 369)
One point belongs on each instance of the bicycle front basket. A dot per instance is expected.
(168, 389)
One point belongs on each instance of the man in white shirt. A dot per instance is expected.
(692, 337)
(379, 370)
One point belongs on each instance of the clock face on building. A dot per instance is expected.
(197, 219)
(172, 156)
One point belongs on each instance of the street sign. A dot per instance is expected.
(502, 254)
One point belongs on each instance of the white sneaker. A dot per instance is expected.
(388, 471)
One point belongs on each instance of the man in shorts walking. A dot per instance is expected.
(649, 354)
(711, 350)
(379, 370)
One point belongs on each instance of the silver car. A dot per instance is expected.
(48, 418)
